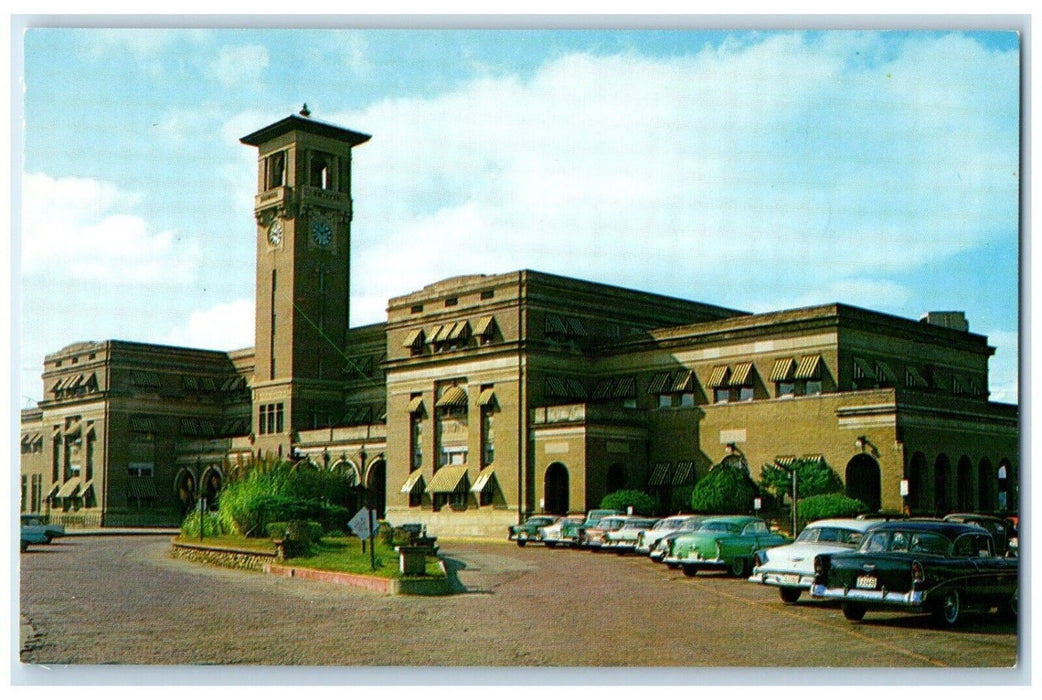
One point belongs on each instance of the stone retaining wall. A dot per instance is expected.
(251, 560)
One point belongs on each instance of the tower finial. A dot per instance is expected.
(304, 111)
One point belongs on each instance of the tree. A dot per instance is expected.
(830, 505)
(727, 488)
(813, 478)
(642, 503)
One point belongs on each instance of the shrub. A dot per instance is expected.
(829, 505)
(211, 525)
(813, 478)
(298, 535)
(642, 503)
(727, 488)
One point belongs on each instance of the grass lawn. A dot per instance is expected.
(330, 554)
(345, 554)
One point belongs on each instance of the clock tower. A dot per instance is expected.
(303, 213)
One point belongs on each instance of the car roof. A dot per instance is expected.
(738, 519)
(849, 523)
(947, 528)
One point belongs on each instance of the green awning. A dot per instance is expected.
(660, 382)
(447, 479)
(685, 382)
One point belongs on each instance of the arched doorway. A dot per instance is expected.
(212, 482)
(185, 490)
(986, 485)
(917, 482)
(863, 482)
(964, 491)
(555, 489)
(376, 486)
(615, 479)
(942, 479)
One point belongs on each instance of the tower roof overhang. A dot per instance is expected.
(298, 123)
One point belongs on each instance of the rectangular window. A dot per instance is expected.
(416, 433)
(687, 400)
(140, 469)
(721, 395)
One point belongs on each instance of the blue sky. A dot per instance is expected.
(756, 170)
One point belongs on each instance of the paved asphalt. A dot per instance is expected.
(121, 599)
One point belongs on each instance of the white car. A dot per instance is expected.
(552, 535)
(791, 566)
(666, 526)
(625, 538)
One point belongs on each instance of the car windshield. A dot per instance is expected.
(718, 526)
(905, 541)
(832, 535)
(669, 524)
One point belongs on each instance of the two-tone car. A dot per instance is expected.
(625, 538)
(943, 568)
(528, 531)
(790, 567)
(594, 537)
(562, 532)
(661, 549)
(577, 535)
(724, 543)
(662, 527)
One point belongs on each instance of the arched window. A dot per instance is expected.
(863, 481)
(555, 489)
(942, 479)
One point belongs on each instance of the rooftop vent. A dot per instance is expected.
(955, 320)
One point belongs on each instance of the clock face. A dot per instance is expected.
(321, 232)
(275, 232)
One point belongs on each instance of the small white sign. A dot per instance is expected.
(904, 487)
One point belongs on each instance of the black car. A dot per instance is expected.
(939, 567)
(1002, 530)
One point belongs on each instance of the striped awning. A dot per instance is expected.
(447, 479)
(660, 382)
(884, 372)
(809, 367)
(453, 396)
(659, 474)
(142, 487)
(555, 325)
(487, 397)
(625, 388)
(718, 379)
(415, 480)
(73, 428)
(484, 479)
(914, 379)
(69, 489)
(684, 474)
(484, 326)
(143, 424)
(602, 390)
(55, 487)
(413, 338)
(684, 383)
(741, 376)
(782, 370)
(575, 327)
(785, 460)
(416, 404)
(460, 330)
(863, 370)
(437, 333)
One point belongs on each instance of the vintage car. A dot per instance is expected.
(725, 542)
(39, 530)
(528, 531)
(574, 535)
(665, 526)
(661, 549)
(1002, 530)
(553, 534)
(625, 538)
(943, 568)
(593, 537)
(790, 567)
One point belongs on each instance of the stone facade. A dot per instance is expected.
(485, 398)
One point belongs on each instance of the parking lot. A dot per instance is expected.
(123, 600)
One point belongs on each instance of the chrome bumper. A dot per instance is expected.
(911, 599)
(778, 578)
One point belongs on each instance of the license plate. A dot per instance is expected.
(790, 579)
(867, 582)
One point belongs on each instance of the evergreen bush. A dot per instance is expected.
(642, 503)
(829, 505)
(726, 489)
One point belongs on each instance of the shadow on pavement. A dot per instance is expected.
(452, 569)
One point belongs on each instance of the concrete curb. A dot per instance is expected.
(386, 586)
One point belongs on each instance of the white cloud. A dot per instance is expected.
(240, 66)
(223, 327)
(1003, 370)
(78, 228)
(705, 175)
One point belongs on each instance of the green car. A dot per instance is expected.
(726, 542)
(528, 531)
